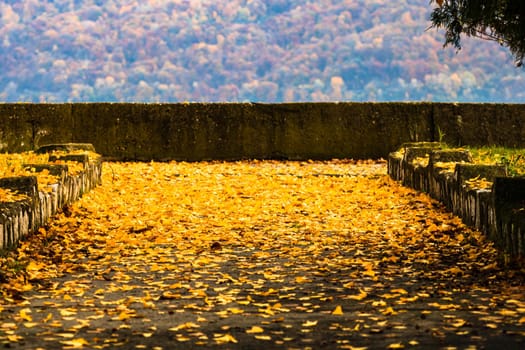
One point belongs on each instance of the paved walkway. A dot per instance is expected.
(259, 255)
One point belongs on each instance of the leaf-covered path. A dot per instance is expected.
(252, 255)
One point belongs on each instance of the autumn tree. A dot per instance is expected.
(502, 21)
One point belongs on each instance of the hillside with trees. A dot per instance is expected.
(242, 50)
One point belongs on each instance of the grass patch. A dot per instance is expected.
(512, 158)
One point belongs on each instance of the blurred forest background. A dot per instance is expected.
(242, 50)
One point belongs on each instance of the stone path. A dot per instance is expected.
(252, 255)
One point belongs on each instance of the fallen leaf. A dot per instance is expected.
(338, 310)
(263, 337)
(187, 325)
(67, 312)
(225, 338)
(302, 279)
(458, 323)
(362, 295)
(75, 343)
(309, 323)
(389, 311)
(254, 330)
(24, 315)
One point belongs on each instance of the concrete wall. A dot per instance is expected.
(200, 131)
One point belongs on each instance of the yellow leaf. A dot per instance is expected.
(268, 292)
(349, 284)
(186, 325)
(338, 310)
(370, 273)
(235, 310)
(507, 312)
(490, 267)
(34, 266)
(396, 346)
(350, 347)
(8, 326)
(182, 338)
(389, 311)
(459, 323)
(522, 320)
(444, 306)
(454, 271)
(65, 335)
(263, 337)
(379, 303)
(309, 324)
(24, 314)
(399, 291)
(76, 343)
(125, 315)
(67, 312)
(226, 338)
(301, 279)
(255, 329)
(362, 294)
(14, 338)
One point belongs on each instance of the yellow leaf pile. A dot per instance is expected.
(217, 253)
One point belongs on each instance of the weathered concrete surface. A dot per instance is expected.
(235, 131)
(509, 198)
(480, 124)
(25, 126)
(199, 131)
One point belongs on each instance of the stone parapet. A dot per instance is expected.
(481, 195)
(36, 204)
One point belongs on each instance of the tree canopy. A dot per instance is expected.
(242, 50)
(498, 20)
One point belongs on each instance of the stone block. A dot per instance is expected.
(465, 172)
(509, 202)
(65, 147)
(449, 155)
(58, 170)
(425, 144)
(16, 218)
(79, 158)
(395, 168)
(27, 185)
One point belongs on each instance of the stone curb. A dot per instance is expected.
(19, 218)
(498, 211)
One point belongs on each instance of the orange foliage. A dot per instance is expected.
(286, 43)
